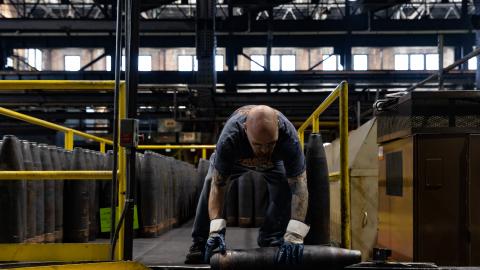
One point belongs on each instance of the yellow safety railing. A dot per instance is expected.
(66, 251)
(168, 146)
(340, 92)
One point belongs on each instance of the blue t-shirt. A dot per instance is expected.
(233, 147)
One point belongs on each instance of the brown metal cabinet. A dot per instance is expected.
(429, 178)
(474, 198)
(441, 235)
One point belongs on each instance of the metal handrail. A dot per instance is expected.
(91, 251)
(341, 92)
(43, 123)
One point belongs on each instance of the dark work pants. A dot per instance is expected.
(278, 209)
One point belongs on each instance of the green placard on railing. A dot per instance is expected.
(105, 224)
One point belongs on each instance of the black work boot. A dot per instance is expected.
(196, 253)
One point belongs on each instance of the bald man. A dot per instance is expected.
(259, 138)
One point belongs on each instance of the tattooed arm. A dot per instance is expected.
(217, 195)
(291, 250)
(298, 187)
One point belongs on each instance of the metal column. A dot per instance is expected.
(133, 18)
(477, 45)
(206, 78)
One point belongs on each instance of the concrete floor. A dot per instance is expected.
(170, 248)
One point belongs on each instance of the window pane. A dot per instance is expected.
(195, 63)
(185, 63)
(108, 63)
(275, 63)
(330, 62)
(432, 61)
(288, 62)
(34, 58)
(472, 63)
(144, 63)
(417, 62)
(401, 62)
(72, 63)
(360, 62)
(219, 62)
(38, 59)
(339, 63)
(9, 62)
(260, 59)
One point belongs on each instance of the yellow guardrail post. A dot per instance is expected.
(344, 171)
(102, 147)
(204, 153)
(69, 138)
(122, 166)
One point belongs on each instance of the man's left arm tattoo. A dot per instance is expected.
(298, 187)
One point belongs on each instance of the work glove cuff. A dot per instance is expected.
(296, 232)
(218, 226)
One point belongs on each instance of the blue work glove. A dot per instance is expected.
(289, 253)
(291, 250)
(216, 239)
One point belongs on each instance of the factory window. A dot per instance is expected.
(275, 63)
(9, 62)
(219, 62)
(185, 62)
(401, 62)
(190, 63)
(257, 63)
(360, 62)
(331, 62)
(288, 62)
(144, 63)
(431, 61)
(34, 58)
(72, 63)
(282, 62)
(417, 61)
(472, 63)
(108, 63)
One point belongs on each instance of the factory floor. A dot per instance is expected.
(168, 250)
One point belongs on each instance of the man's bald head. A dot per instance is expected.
(261, 127)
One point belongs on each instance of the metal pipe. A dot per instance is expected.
(132, 49)
(116, 124)
(344, 170)
(54, 175)
(314, 257)
(55, 85)
(445, 70)
(440, 61)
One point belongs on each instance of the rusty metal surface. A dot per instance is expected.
(395, 223)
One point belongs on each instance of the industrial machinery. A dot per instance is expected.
(429, 180)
